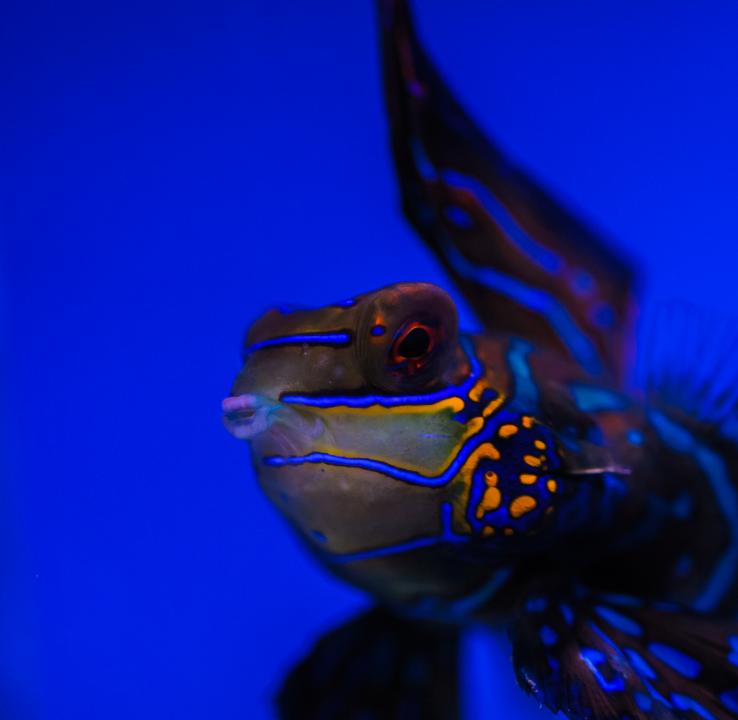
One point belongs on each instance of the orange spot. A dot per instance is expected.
(507, 431)
(532, 460)
(480, 386)
(551, 485)
(522, 505)
(491, 478)
(490, 501)
(487, 531)
(540, 444)
(493, 405)
(465, 477)
(490, 451)
(528, 479)
(527, 421)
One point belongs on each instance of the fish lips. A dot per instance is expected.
(246, 416)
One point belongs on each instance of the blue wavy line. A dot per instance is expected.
(533, 299)
(447, 535)
(396, 473)
(541, 255)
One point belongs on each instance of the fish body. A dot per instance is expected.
(520, 476)
(517, 460)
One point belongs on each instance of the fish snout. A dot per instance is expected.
(247, 415)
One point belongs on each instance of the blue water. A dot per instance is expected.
(169, 170)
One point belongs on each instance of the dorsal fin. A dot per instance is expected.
(528, 266)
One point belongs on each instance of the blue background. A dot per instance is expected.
(171, 169)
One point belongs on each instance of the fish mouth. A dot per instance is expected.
(248, 415)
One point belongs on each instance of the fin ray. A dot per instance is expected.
(598, 657)
(689, 364)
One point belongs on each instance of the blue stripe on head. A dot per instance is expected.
(364, 401)
(334, 338)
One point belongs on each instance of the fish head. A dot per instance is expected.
(349, 412)
(378, 429)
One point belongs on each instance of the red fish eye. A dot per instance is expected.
(413, 344)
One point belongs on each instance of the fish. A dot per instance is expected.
(550, 475)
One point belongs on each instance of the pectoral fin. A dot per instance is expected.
(376, 666)
(610, 657)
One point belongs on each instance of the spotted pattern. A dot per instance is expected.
(509, 481)
(635, 656)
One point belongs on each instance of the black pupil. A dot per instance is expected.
(415, 344)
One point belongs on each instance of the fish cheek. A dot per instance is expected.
(299, 369)
(349, 510)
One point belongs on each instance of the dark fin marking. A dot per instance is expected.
(527, 265)
(609, 657)
(689, 364)
(376, 666)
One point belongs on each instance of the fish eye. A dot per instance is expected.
(414, 342)
(406, 337)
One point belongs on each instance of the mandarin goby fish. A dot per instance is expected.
(524, 476)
